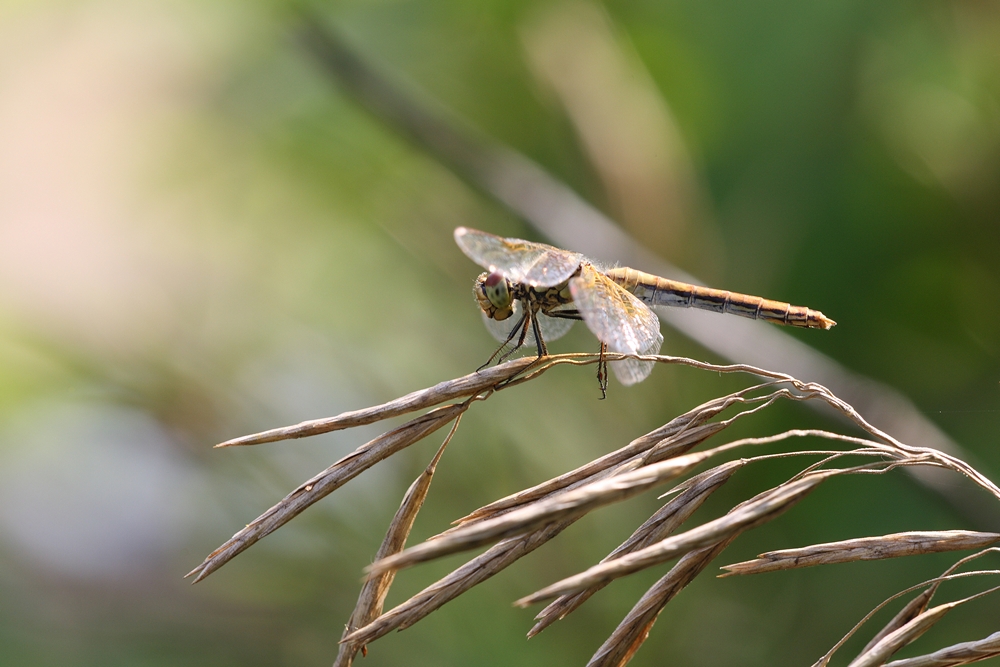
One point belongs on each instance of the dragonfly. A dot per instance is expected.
(531, 293)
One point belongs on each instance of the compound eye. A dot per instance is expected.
(497, 290)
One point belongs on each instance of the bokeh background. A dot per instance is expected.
(202, 236)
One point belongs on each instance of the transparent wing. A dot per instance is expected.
(618, 319)
(552, 327)
(535, 264)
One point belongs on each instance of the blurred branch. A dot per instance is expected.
(559, 213)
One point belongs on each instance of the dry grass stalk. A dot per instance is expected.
(864, 548)
(921, 602)
(476, 571)
(764, 507)
(897, 639)
(554, 508)
(502, 554)
(685, 423)
(508, 551)
(910, 611)
(525, 520)
(373, 592)
(676, 437)
(450, 390)
(619, 648)
(326, 482)
(965, 653)
(913, 608)
(664, 522)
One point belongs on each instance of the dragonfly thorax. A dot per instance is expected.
(496, 295)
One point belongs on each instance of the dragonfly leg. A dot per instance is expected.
(521, 327)
(602, 371)
(565, 314)
(539, 341)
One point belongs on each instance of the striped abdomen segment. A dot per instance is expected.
(658, 291)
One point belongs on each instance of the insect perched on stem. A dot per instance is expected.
(544, 289)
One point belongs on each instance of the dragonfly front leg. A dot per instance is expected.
(522, 326)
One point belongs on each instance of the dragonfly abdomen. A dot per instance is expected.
(658, 291)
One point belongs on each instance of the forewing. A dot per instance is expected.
(552, 327)
(618, 319)
(520, 261)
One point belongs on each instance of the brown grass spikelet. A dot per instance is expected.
(514, 526)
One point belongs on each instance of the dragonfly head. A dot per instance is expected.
(493, 294)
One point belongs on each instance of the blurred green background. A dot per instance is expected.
(202, 236)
